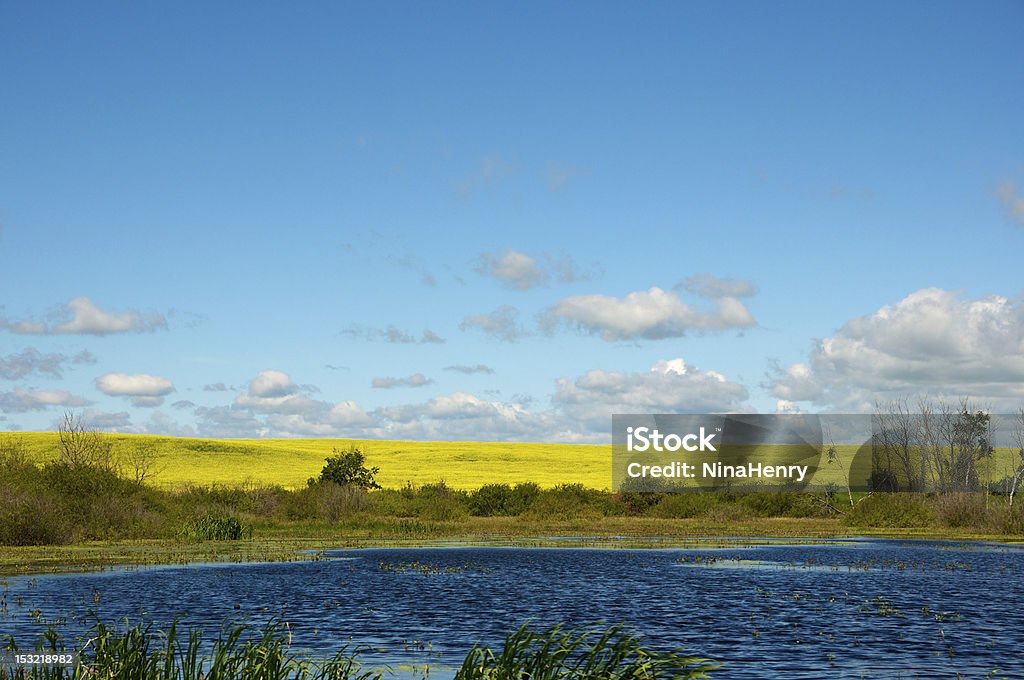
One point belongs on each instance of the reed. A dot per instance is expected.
(239, 652)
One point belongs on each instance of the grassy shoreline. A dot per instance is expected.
(611, 533)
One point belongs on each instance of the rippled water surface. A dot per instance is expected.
(871, 608)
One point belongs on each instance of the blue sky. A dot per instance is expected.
(457, 221)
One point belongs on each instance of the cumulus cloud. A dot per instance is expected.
(144, 390)
(271, 384)
(580, 409)
(394, 335)
(470, 370)
(414, 380)
(1012, 201)
(502, 323)
(467, 417)
(933, 341)
(652, 315)
(513, 269)
(80, 315)
(24, 400)
(215, 387)
(671, 386)
(275, 392)
(708, 286)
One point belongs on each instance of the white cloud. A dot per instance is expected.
(274, 392)
(80, 315)
(931, 342)
(467, 417)
(1012, 202)
(270, 384)
(652, 314)
(23, 400)
(580, 410)
(669, 387)
(144, 390)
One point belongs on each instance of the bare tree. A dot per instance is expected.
(1018, 439)
(82, 447)
(896, 443)
(833, 458)
(141, 461)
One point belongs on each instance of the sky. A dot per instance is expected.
(473, 221)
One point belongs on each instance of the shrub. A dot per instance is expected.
(347, 468)
(30, 518)
(893, 510)
(685, 504)
(962, 510)
(502, 499)
(771, 503)
(439, 502)
(572, 502)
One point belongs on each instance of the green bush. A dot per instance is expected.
(685, 504)
(441, 503)
(771, 503)
(347, 468)
(570, 502)
(502, 499)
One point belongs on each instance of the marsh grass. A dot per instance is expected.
(214, 528)
(611, 653)
(140, 653)
(239, 652)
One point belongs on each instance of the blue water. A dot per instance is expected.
(864, 608)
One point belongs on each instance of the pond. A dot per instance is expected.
(869, 608)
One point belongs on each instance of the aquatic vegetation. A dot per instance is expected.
(432, 569)
(611, 653)
(213, 528)
(142, 653)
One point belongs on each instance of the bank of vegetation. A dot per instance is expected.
(89, 492)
